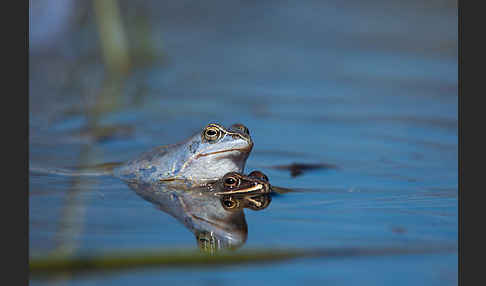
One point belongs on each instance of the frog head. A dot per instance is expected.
(215, 151)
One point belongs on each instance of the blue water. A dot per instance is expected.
(370, 88)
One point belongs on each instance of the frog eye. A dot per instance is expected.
(212, 133)
(258, 175)
(230, 203)
(231, 182)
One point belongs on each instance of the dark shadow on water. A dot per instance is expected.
(297, 169)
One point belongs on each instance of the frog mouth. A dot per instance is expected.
(241, 150)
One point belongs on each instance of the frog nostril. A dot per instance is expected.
(242, 128)
(246, 130)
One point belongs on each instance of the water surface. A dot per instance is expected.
(370, 88)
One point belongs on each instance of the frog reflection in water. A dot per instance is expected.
(201, 208)
(252, 191)
(205, 157)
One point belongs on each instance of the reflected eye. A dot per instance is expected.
(230, 203)
(212, 133)
(258, 175)
(231, 182)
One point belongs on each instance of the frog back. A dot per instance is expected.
(153, 166)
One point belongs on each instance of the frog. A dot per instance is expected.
(203, 158)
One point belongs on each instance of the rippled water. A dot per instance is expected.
(370, 88)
